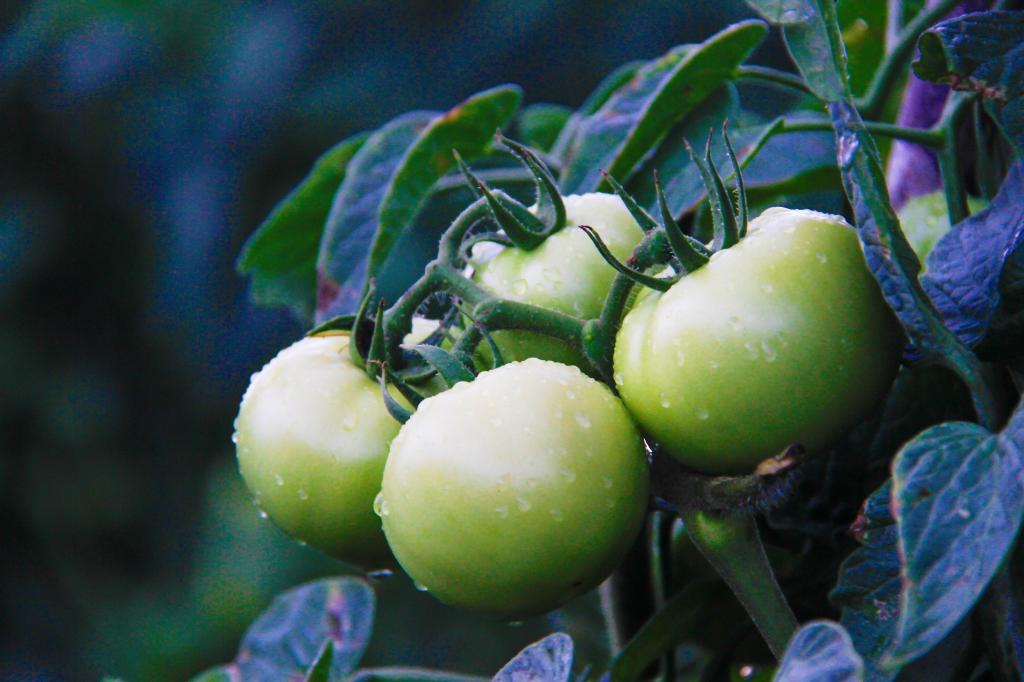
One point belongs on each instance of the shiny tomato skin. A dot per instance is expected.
(783, 338)
(517, 491)
(312, 435)
(565, 273)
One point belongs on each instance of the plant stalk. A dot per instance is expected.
(732, 545)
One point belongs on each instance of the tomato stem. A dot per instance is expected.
(873, 101)
(732, 545)
(771, 76)
(949, 157)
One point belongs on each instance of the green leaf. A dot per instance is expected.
(958, 500)
(389, 181)
(821, 650)
(811, 32)
(976, 273)
(538, 125)
(289, 637)
(451, 369)
(410, 675)
(320, 671)
(280, 256)
(595, 100)
(890, 257)
(636, 118)
(868, 590)
(983, 53)
(549, 660)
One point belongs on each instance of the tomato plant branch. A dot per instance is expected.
(732, 545)
(771, 76)
(598, 335)
(949, 157)
(889, 70)
(935, 139)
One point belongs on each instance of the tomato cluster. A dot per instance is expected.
(515, 491)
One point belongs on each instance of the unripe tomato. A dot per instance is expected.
(517, 491)
(565, 273)
(312, 435)
(783, 338)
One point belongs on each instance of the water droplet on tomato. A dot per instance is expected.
(278, 479)
(768, 352)
(556, 514)
(665, 402)
(523, 504)
(703, 414)
(583, 420)
(303, 495)
(502, 512)
(551, 275)
(519, 287)
(752, 351)
(350, 421)
(607, 481)
(380, 505)
(263, 515)
(568, 474)
(618, 379)
(419, 586)
(822, 258)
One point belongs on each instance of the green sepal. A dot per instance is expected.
(496, 358)
(339, 323)
(550, 207)
(642, 217)
(466, 250)
(714, 198)
(741, 192)
(448, 366)
(691, 253)
(359, 323)
(378, 347)
(397, 411)
(646, 280)
(524, 229)
(472, 181)
(731, 232)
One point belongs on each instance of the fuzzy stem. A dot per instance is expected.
(732, 545)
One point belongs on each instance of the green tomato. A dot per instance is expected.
(783, 338)
(565, 273)
(312, 435)
(925, 219)
(517, 491)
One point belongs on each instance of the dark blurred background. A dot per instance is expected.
(140, 144)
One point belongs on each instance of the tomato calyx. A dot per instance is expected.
(686, 254)
(766, 488)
